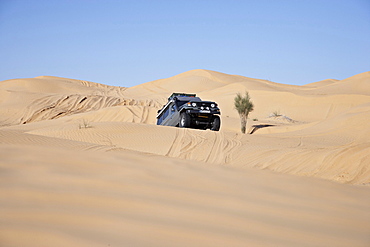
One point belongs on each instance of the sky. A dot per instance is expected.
(130, 42)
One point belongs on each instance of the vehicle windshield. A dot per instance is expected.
(183, 100)
(180, 103)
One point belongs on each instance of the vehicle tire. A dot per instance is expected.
(185, 120)
(216, 123)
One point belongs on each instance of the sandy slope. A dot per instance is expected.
(83, 164)
(59, 197)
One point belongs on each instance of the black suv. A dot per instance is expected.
(188, 111)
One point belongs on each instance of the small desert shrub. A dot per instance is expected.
(276, 113)
(255, 119)
(85, 124)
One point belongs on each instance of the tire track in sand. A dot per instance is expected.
(222, 148)
(207, 146)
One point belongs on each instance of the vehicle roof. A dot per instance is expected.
(188, 98)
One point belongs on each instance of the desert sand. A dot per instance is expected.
(83, 164)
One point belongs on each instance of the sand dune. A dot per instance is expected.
(358, 84)
(49, 97)
(83, 164)
(45, 98)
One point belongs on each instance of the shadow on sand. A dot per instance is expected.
(259, 126)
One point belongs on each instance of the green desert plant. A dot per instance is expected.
(244, 106)
(276, 113)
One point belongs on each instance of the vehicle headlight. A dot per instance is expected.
(213, 105)
(194, 104)
(207, 108)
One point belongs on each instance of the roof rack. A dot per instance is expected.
(181, 95)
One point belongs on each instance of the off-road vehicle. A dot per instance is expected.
(189, 111)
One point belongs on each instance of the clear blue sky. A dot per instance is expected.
(126, 43)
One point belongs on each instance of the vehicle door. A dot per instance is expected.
(170, 119)
(168, 115)
(173, 115)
